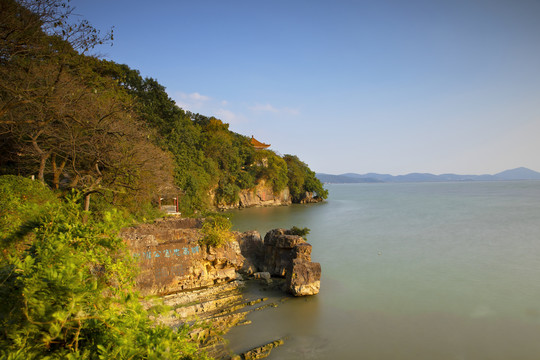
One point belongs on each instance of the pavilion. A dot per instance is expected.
(257, 144)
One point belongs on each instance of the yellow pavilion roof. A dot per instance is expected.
(257, 144)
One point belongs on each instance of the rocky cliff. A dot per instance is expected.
(261, 195)
(203, 282)
(309, 198)
(172, 260)
(290, 256)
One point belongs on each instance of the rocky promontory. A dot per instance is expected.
(203, 282)
(263, 195)
(260, 195)
(284, 255)
(172, 259)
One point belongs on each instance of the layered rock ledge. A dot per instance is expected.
(204, 283)
(172, 260)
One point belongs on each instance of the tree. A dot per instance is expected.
(37, 47)
(33, 32)
(61, 119)
(271, 168)
(302, 180)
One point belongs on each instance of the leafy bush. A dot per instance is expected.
(69, 295)
(227, 192)
(298, 231)
(217, 231)
(22, 202)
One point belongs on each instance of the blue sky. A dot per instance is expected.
(386, 86)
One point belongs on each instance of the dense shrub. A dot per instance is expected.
(298, 231)
(22, 201)
(69, 295)
(217, 231)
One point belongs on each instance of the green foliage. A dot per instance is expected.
(298, 231)
(122, 213)
(217, 231)
(227, 191)
(302, 179)
(78, 122)
(270, 167)
(209, 158)
(69, 295)
(22, 202)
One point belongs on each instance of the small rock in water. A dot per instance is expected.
(263, 276)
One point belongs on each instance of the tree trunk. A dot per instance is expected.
(42, 163)
(75, 181)
(87, 202)
(43, 156)
(86, 208)
(57, 171)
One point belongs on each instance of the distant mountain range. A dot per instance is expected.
(349, 178)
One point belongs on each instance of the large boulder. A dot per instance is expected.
(252, 248)
(303, 278)
(279, 251)
(289, 256)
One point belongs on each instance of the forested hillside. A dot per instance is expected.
(79, 122)
(66, 278)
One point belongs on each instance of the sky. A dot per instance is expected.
(386, 86)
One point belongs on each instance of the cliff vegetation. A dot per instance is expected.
(78, 122)
(104, 145)
(67, 284)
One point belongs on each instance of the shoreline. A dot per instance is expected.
(201, 282)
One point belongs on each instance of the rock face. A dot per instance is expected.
(304, 278)
(252, 248)
(310, 197)
(279, 251)
(172, 260)
(261, 195)
(290, 256)
(203, 284)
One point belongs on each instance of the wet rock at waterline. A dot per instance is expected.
(201, 282)
(290, 256)
(304, 278)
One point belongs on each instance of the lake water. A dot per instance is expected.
(410, 271)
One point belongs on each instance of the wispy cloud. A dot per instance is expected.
(226, 111)
(227, 116)
(197, 97)
(263, 108)
(207, 105)
(272, 109)
(194, 102)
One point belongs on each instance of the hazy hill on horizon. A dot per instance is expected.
(520, 173)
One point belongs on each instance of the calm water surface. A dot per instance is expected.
(411, 271)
